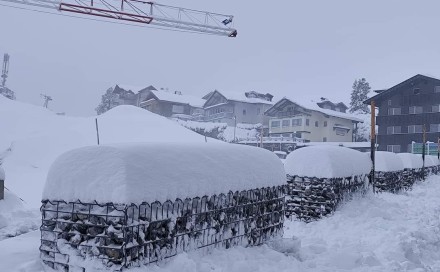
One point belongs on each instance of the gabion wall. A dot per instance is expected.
(132, 235)
(312, 198)
(397, 181)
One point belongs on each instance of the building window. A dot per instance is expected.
(437, 89)
(394, 130)
(393, 148)
(258, 111)
(340, 131)
(307, 122)
(416, 91)
(434, 128)
(275, 124)
(415, 129)
(394, 111)
(324, 139)
(178, 109)
(325, 123)
(316, 124)
(244, 112)
(296, 122)
(286, 123)
(415, 110)
(436, 108)
(389, 102)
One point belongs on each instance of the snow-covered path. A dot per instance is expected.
(383, 232)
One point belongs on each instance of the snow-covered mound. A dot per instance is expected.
(411, 161)
(33, 137)
(133, 173)
(388, 162)
(327, 162)
(431, 161)
(15, 219)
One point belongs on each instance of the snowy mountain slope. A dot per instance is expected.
(382, 232)
(36, 136)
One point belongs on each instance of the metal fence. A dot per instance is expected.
(134, 235)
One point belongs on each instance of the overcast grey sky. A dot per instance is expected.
(289, 48)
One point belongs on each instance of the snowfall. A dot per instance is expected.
(375, 232)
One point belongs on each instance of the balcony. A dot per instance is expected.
(220, 115)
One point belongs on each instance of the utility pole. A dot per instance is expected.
(5, 69)
(46, 99)
(373, 142)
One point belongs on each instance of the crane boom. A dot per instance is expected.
(143, 12)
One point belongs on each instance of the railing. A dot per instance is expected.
(219, 115)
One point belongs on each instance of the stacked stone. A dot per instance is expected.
(309, 198)
(126, 235)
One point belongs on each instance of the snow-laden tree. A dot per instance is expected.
(108, 101)
(359, 94)
(363, 130)
(8, 93)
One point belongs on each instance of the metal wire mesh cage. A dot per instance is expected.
(310, 198)
(132, 235)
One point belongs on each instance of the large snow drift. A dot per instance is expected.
(388, 162)
(133, 173)
(327, 162)
(411, 161)
(32, 137)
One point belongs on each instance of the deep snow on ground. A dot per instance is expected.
(32, 137)
(384, 232)
(15, 219)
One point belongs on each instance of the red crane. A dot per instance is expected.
(142, 12)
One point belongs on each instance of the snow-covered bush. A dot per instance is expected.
(142, 203)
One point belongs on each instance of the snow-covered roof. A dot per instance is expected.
(241, 97)
(179, 98)
(134, 88)
(133, 173)
(410, 160)
(311, 104)
(388, 162)
(327, 162)
(2, 174)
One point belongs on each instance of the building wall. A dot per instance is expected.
(165, 108)
(404, 97)
(313, 133)
(248, 113)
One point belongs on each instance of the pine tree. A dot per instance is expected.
(108, 101)
(8, 93)
(359, 94)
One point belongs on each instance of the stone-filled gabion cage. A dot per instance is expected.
(310, 198)
(92, 235)
(126, 235)
(322, 177)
